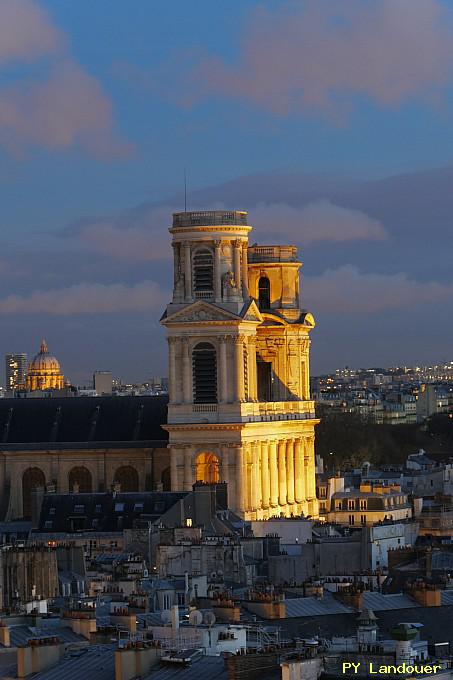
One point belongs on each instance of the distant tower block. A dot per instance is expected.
(239, 396)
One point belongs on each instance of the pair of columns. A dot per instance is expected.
(240, 267)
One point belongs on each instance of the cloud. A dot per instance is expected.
(139, 235)
(26, 32)
(88, 298)
(318, 55)
(142, 234)
(65, 106)
(347, 290)
(69, 108)
(317, 221)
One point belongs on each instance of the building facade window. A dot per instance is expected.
(33, 478)
(204, 366)
(207, 468)
(127, 477)
(264, 293)
(203, 272)
(80, 480)
(351, 519)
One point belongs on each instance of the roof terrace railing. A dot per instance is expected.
(210, 218)
(258, 254)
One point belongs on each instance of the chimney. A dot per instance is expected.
(39, 654)
(135, 660)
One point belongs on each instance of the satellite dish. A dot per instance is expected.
(195, 617)
(209, 618)
(165, 616)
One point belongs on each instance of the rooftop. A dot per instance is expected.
(82, 421)
(210, 218)
(258, 254)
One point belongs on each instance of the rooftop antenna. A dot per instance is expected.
(185, 190)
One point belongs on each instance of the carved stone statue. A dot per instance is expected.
(229, 280)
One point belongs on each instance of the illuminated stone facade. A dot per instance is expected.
(44, 371)
(239, 401)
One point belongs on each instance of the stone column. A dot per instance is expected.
(256, 477)
(172, 370)
(245, 271)
(186, 372)
(290, 470)
(217, 272)
(189, 476)
(305, 368)
(282, 490)
(239, 361)
(224, 475)
(174, 469)
(187, 271)
(273, 473)
(231, 473)
(175, 247)
(239, 502)
(299, 481)
(253, 389)
(223, 370)
(248, 476)
(265, 487)
(311, 479)
(237, 246)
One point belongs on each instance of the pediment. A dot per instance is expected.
(200, 312)
(252, 313)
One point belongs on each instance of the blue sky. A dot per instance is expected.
(331, 122)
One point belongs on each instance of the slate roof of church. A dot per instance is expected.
(110, 512)
(83, 422)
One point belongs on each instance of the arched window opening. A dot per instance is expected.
(127, 478)
(204, 365)
(203, 273)
(33, 478)
(207, 468)
(264, 293)
(165, 479)
(80, 480)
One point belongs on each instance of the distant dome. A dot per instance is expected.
(44, 372)
(43, 361)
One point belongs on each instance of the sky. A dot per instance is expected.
(329, 121)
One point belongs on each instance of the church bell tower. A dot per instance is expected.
(239, 403)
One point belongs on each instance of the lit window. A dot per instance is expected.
(188, 522)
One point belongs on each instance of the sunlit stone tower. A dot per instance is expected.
(240, 408)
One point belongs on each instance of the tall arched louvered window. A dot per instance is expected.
(204, 364)
(203, 272)
(264, 293)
